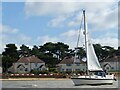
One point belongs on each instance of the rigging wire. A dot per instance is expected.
(79, 31)
(78, 39)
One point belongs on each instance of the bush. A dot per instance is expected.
(44, 72)
(68, 72)
(53, 70)
(37, 72)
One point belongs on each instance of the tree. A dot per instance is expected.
(6, 63)
(11, 51)
(0, 60)
(52, 53)
(10, 55)
(24, 50)
(81, 52)
(35, 51)
(117, 52)
(61, 50)
(50, 47)
(98, 51)
(107, 51)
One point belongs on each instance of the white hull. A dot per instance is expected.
(92, 81)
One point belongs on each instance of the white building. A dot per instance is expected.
(26, 64)
(111, 63)
(67, 64)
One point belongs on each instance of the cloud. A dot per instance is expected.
(106, 21)
(59, 8)
(49, 8)
(12, 35)
(113, 42)
(70, 33)
(1, 44)
(57, 21)
(104, 17)
(70, 37)
(70, 1)
(8, 30)
(107, 39)
(44, 39)
(63, 8)
(0, 28)
(99, 14)
(24, 38)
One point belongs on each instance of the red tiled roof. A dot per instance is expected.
(31, 59)
(69, 60)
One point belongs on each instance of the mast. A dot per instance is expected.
(85, 40)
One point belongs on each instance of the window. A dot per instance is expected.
(68, 69)
(26, 69)
(77, 69)
(77, 64)
(68, 64)
(26, 63)
(21, 69)
(112, 67)
(38, 68)
(107, 67)
(36, 64)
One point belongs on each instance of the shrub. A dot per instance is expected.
(37, 72)
(53, 70)
(44, 72)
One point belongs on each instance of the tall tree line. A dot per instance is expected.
(51, 53)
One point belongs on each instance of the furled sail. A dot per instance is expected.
(92, 60)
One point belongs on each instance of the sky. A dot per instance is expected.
(35, 23)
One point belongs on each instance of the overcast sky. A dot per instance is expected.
(35, 23)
